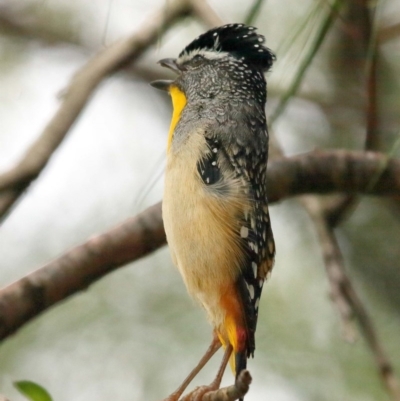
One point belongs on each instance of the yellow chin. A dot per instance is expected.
(178, 104)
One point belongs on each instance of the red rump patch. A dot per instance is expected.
(241, 338)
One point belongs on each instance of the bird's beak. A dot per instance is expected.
(171, 64)
(162, 84)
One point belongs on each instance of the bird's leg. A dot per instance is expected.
(212, 349)
(198, 393)
(218, 378)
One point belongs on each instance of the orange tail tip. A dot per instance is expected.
(238, 359)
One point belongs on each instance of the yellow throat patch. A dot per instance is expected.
(178, 104)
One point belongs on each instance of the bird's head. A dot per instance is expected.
(227, 62)
(224, 66)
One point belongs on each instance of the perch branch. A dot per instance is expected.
(230, 393)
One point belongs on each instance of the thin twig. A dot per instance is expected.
(372, 140)
(83, 84)
(368, 44)
(345, 297)
(333, 262)
(320, 172)
(339, 209)
(389, 32)
(253, 12)
(319, 38)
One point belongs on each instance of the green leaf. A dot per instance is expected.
(32, 391)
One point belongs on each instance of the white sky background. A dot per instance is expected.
(135, 334)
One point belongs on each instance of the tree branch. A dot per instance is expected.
(21, 22)
(14, 182)
(79, 267)
(322, 172)
(348, 302)
(137, 237)
(368, 45)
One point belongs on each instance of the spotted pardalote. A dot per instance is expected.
(215, 206)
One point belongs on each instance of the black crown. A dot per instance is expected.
(239, 40)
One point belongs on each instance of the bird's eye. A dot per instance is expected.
(197, 60)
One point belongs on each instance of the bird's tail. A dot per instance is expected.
(238, 358)
(240, 362)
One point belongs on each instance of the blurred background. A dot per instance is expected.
(135, 334)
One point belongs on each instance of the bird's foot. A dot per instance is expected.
(212, 392)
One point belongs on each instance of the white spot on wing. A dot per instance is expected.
(254, 266)
(251, 291)
(244, 232)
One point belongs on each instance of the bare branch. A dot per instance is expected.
(79, 267)
(364, 25)
(320, 172)
(81, 88)
(339, 209)
(20, 23)
(345, 297)
(334, 266)
(388, 33)
(333, 171)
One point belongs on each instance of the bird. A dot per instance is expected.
(215, 207)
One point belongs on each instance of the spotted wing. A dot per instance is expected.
(255, 233)
(208, 167)
(247, 161)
